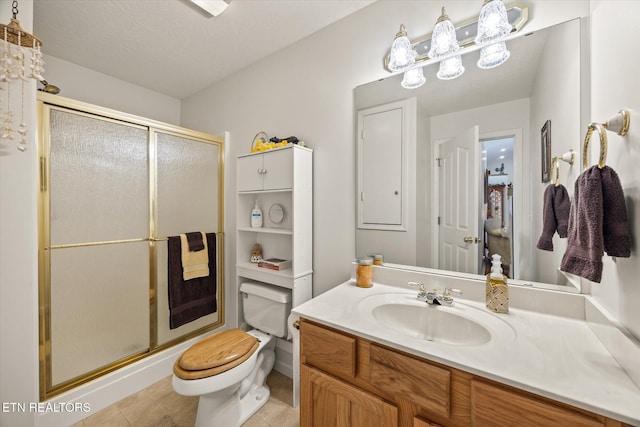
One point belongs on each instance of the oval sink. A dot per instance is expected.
(460, 324)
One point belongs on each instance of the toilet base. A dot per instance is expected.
(226, 410)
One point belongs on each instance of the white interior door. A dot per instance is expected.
(459, 203)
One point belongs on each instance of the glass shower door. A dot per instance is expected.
(98, 242)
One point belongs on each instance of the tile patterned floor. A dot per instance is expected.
(159, 406)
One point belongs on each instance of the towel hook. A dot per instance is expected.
(555, 165)
(603, 145)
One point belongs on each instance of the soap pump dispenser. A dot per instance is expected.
(497, 288)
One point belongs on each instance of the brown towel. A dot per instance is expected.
(555, 215)
(191, 299)
(597, 222)
(194, 263)
(196, 241)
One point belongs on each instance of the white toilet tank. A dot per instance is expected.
(266, 307)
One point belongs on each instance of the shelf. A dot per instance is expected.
(279, 190)
(282, 278)
(267, 230)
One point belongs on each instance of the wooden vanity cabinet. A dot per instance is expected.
(349, 381)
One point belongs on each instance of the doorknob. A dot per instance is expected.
(470, 239)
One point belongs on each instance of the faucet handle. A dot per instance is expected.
(422, 292)
(447, 299)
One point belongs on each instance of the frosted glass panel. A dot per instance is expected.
(99, 180)
(164, 333)
(99, 306)
(187, 185)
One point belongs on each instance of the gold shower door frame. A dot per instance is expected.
(46, 104)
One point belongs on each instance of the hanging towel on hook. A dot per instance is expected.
(598, 215)
(555, 215)
(190, 299)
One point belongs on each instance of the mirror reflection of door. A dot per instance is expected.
(497, 161)
(459, 241)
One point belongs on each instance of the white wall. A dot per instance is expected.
(555, 97)
(614, 76)
(90, 86)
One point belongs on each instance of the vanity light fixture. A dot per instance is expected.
(414, 78)
(488, 34)
(17, 45)
(444, 42)
(402, 55)
(493, 26)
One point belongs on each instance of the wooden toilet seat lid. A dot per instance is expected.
(204, 373)
(218, 350)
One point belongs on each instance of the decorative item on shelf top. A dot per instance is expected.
(256, 253)
(275, 263)
(261, 142)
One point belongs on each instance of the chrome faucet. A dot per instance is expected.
(446, 298)
(422, 291)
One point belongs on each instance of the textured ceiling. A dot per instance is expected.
(169, 46)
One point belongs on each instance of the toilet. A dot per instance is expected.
(228, 369)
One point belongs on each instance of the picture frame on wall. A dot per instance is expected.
(545, 137)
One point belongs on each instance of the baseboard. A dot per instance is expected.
(109, 389)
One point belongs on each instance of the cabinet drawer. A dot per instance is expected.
(427, 385)
(328, 350)
(494, 406)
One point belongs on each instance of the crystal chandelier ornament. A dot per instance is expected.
(17, 46)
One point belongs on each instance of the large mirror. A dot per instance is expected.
(526, 110)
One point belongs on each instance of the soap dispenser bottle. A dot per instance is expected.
(497, 289)
(256, 216)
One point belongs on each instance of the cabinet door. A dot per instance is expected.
(326, 401)
(278, 166)
(249, 174)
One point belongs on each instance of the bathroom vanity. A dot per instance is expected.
(366, 359)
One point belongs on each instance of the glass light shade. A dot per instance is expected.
(493, 55)
(402, 56)
(450, 68)
(443, 39)
(493, 22)
(413, 78)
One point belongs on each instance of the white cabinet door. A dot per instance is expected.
(278, 169)
(265, 171)
(249, 174)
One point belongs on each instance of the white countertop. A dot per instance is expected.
(554, 356)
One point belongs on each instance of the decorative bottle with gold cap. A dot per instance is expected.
(497, 288)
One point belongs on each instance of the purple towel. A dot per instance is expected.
(555, 215)
(194, 298)
(561, 209)
(598, 199)
(616, 231)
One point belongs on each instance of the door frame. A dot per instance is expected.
(519, 244)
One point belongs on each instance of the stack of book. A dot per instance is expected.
(275, 263)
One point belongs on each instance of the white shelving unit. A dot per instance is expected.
(280, 176)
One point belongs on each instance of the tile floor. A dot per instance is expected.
(159, 406)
